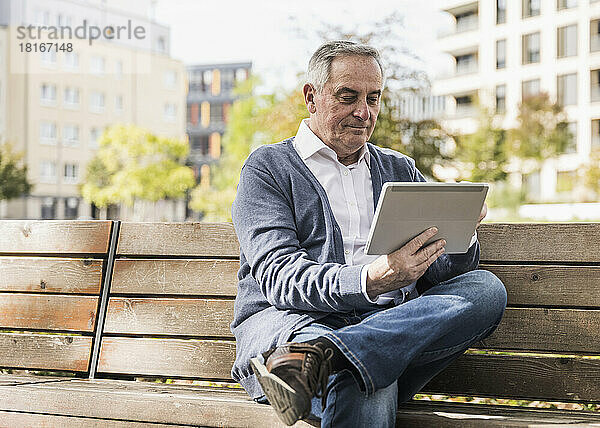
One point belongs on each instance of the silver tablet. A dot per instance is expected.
(405, 210)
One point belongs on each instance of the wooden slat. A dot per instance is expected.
(54, 237)
(169, 357)
(527, 377)
(50, 275)
(49, 312)
(11, 379)
(190, 317)
(571, 242)
(200, 277)
(39, 351)
(552, 330)
(32, 420)
(178, 239)
(551, 285)
(143, 402)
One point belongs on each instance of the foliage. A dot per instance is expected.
(592, 172)
(132, 163)
(485, 151)
(13, 175)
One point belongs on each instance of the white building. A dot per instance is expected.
(501, 51)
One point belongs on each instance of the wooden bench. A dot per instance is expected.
(105, 303)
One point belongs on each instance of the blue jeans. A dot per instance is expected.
(398, 350)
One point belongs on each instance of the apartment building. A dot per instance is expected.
(502, 51)
(3, 79)
(209, 99)
(59, 103)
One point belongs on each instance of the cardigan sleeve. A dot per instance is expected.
(264, 222)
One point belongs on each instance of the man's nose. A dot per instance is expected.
(362, 111)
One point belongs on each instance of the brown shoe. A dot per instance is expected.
(292, 375)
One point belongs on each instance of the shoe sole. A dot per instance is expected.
(281, 396)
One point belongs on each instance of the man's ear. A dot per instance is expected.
(309, 98)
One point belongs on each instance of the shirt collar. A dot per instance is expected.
(307, 144)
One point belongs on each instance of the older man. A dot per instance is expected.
(330, 331)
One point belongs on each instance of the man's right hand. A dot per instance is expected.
(404, 266)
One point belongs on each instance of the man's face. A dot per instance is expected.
(343, 115)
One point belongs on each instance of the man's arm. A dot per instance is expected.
(265, 225)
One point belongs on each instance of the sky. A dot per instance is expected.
(262, 31)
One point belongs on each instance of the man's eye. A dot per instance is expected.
(347, 99)
(373, 100)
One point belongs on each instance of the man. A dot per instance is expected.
(332, 332)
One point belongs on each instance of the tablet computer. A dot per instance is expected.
(406, 209)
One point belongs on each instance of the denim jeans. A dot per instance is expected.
(397, 350)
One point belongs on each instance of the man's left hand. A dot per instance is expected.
(482, 215)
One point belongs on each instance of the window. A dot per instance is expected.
(97, 102)
(500, 98)
(595, 134)
(464, 104)
(161, 44)
(530, 8)
(97, 65)
(48, 58)
(170, 79)
(500, 53)
(71, 135)
(595, 85)
(71, 97)
(71, 208)
(566, 181)
(119, 69)
(467, 21)
(595, 35)
(48, 171)
(567, 89)
(71, 173)
(48, 133)
(466, 63)
(530, 88)
(71, 60)
(216, 113)
(241, 74)
(48, 94)
(566, 4)
(206, 80)
(567, 41)
(119, 103)
(572, 145)
(170, 112)
(531, 48)
(227, 79)
(200, 143)
(48, 208)
(94, 137)
(500, 11)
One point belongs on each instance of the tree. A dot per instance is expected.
(592, 173)
(132, 163)
(13, 175)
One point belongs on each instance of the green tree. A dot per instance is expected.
(132, 163)
(592, 173)
(13, 174)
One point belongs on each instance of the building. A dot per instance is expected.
(209, 99)
(58, 103)
(502, 51)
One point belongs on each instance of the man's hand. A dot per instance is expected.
(403, 266)
(482, 215)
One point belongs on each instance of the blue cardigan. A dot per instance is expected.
(292, 266)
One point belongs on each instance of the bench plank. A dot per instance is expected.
(39, 351)
(32, 420)
(54, 237)
(46, 275)
(178, 239)
(48, 312)
(185, 277)
(570, 242)
(170, 357)
(191, 317)
(551, 285)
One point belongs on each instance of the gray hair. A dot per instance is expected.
(319, 66)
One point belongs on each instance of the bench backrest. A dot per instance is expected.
(51, 276)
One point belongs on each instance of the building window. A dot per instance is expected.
(466, 63)
(595, 35)
(48, 172)
(216, 113)
(195, 78)
(200, 144)
(565, 4)
(119, 69)
(595, 134)
(71, 97)
(464, 104)
(170, 79)
(241, 74)
(48, 133)
(48, 58)
(48, 94)
(467, 21)
(565, 181)
(119, 103)
(500, 98)
(71, 208)
(531, 48)
(206, 80)
(161, 44)
(94, 137)
(595, 85)
(71, 173)
(71, 61)
(500, 53)
(205, 114)
(97, 102)
(48, 208)
(567, 89)
(500, 11)
(567, 41)
(530, 88)
(530, 8)
(227, 80)
(71, 135)
(97, 65)
(170, 112)
(571, 146)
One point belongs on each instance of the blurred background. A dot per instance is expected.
(152, 120)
